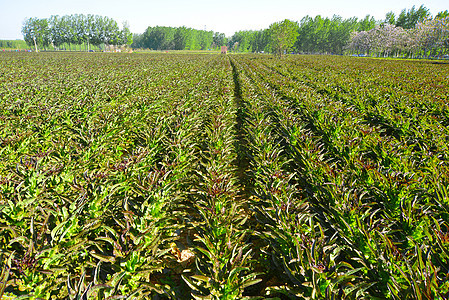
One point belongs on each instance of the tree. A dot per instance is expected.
(304, 41)
(432, 36)
(219, 39)
(79, 25)
(35, 32)
(367, 23)
(205, 39)
(283, 36)
(245, 40)
(172, 38)
(68, 31)
(127, 36)
(181, 37)
(112, 32)
(339, 33)
(409, 19)
(442, 14)
(361, 42)
(89, 34)
(56, 31)
(320, 31)
(75, 29)
(427, 37)
(262, 41)
(390, 18)
(44, 33)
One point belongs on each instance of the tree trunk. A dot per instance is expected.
(35, 45)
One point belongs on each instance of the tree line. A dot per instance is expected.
(178, 38)
(77, 29)
(310, 35)
(334, 35)
(13, 44)
(337, 35)
(412, 33)
(399, 38)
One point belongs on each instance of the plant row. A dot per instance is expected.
(379, 199)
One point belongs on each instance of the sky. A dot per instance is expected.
(227, 16)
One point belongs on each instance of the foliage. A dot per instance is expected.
(339, 217)
(181, 38)
(13, 44)
(146, 176)
(75, 29)
(315, 35)
(35, 31)
(430, 37)
(282, 36)
(408, 19)
(336, 35)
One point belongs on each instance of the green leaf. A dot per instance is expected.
(200, 277)
(251, 282)
(103, 258)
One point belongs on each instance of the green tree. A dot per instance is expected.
(442, 14)
(89, 34)
(390, 18)
(339, 33)
(409, 19)
(13, 44)
(367, 23)
(68, 33)
(205, 39)
(127, 36)
(35, 32)
(219, 39)
(56, 32)
(44, 33)
(75, 29)
(180, 38)
(243, 41)
(112, 36)
(283, 36)
(138, 41)
(304, 41)
(260, 40)
(321, 34)
(80, 29)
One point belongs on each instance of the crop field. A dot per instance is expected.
(193, 176)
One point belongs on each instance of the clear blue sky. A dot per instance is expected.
(223, 16)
